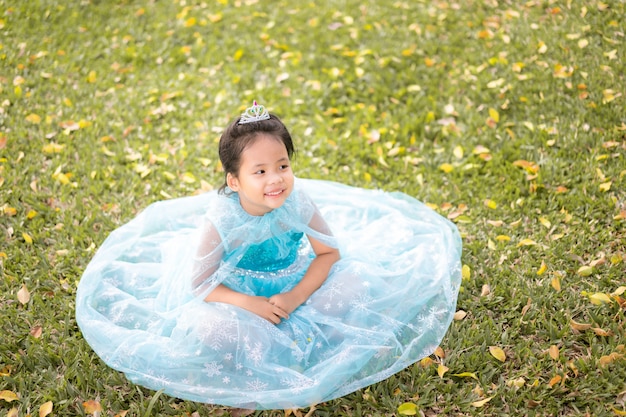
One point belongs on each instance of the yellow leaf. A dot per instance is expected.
(27, 238)
(619, 291)
(92, 406)
(554, 352)
(31, 214)
(497, 353)
(601, 332)
(542, 269)
(8, 396)
(426, 362)
(23, 295)
(53, 148)
(491, 204)
(579, 326)
(466, 273)
(517, 383)
(503, 238)
(460, 315)
(13, 413)
(493, 113)
(10, 211)
(458, 152)
(466, 375)
(599, 298)
(618, 412)
(45, 409)
(608, 359)
(441, 370)
(439, 352)
(92, 78)
(481, 402)
(447, 168)
(556, 282)
(190, 22)
(582, 43)
(33, 118)
(555, 380)
(407, 409)
(238, 54)
(545, 222)
(526, 242)
(606, 186)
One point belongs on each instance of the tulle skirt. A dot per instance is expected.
(386, 304)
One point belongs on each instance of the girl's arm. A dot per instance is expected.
(209, 256)
(325, 257)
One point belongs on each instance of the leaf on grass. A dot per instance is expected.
(36, 332)
(526, 242)
(554, 352)
(439, 352)
(485, 291)
(585, 271)
(517, 382)
(556, 282)
(601, 332)
(530, 167)
(608, 359)
(407, 409)
(466, 272)
(27, 238)
(555, 380)
(493, 113)
(618, 412)
(122, 413)
(466, 375)
(447, 168)
(599, 298)
(579, 326)
(460, 315)
(8, 396)
(441, 370)
(92, 406)
(23, 295)
(605, 186)
(33, 118)
(491, 204)
(13, 413)
(619, 291)
(542, 269)
(497, 353)
(480, 403)
(45, 409)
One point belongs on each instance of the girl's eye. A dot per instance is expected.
(261, 171)
(284, 166)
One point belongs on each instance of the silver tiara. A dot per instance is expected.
(255, 113)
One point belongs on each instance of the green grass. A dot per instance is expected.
(129, 97)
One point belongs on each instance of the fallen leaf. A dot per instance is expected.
(608, 359)
(554, 352)
(12, 412)
(45, 409)
(447, 168)
(555, 380)
(92, 406)
(466, 273)
(542, 269)
(579, 326)
(8, 396)
(441, 370)
(497, 353)
(485, 291)
(23, 295)
(601, 332)
(439, 352)
(36, 332)
(599, 298)
(460, 315)
(466, 375)
(407, 409)
(526, 242)
(481, 402)
(585, 271)
(556, 282)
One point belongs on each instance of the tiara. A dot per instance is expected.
(255, 113)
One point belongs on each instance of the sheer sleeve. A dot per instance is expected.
(207, 259)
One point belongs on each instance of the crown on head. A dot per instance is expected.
(255, 113)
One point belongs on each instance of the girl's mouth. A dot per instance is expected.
(274, 193)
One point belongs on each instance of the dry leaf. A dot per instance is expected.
(601, 332)
(45, 409)
(441, 370)
(481, 402)
(579, 326)
(497, 353)
(460, 315)
(36, 332)
(466, 375)
(555, 380)
(23, 295)
(8, 396)
(554, 352)
(486, 290)
(12, 412)
(439, 352)
(92, 406)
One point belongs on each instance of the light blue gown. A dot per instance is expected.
(386, 303)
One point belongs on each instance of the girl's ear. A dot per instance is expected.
(232, 182)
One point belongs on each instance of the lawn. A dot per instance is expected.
(507, 117)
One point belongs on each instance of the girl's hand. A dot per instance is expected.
(262, 307)
(287, 301)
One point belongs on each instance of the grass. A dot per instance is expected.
(109, 106)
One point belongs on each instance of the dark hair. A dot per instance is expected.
(237, 137)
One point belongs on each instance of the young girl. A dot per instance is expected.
(274, 292)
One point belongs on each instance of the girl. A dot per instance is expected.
(244, 297)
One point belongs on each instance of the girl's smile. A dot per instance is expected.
(265, 179)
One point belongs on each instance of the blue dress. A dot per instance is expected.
(386, 303)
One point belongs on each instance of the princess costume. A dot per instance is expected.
(386, 303)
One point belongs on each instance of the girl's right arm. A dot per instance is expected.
(209, 257)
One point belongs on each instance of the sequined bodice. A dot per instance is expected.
(266, 256)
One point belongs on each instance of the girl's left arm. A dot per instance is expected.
(316, 274)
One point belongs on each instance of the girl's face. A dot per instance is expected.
(265, 179)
